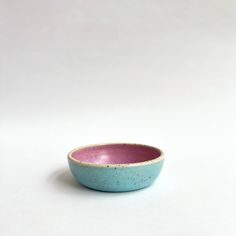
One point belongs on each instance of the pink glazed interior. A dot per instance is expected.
(116, 154)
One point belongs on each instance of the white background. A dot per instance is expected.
(83, 71)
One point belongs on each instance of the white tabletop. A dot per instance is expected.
(80, 72)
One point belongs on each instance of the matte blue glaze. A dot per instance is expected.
(116, 178)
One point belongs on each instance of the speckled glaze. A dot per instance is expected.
(119, 177)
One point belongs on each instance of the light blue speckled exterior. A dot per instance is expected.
(116, 178)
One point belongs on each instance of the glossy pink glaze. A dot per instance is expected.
(116, 154)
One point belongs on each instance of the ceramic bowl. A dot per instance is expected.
(116, 167)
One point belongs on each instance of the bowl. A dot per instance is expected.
(116, 167)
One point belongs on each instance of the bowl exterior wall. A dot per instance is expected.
(116, 178)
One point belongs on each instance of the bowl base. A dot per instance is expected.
(115, 191)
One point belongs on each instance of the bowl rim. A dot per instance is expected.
(148, 162)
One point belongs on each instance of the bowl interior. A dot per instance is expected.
(116, 154)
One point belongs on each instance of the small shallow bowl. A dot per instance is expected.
(116, 167)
